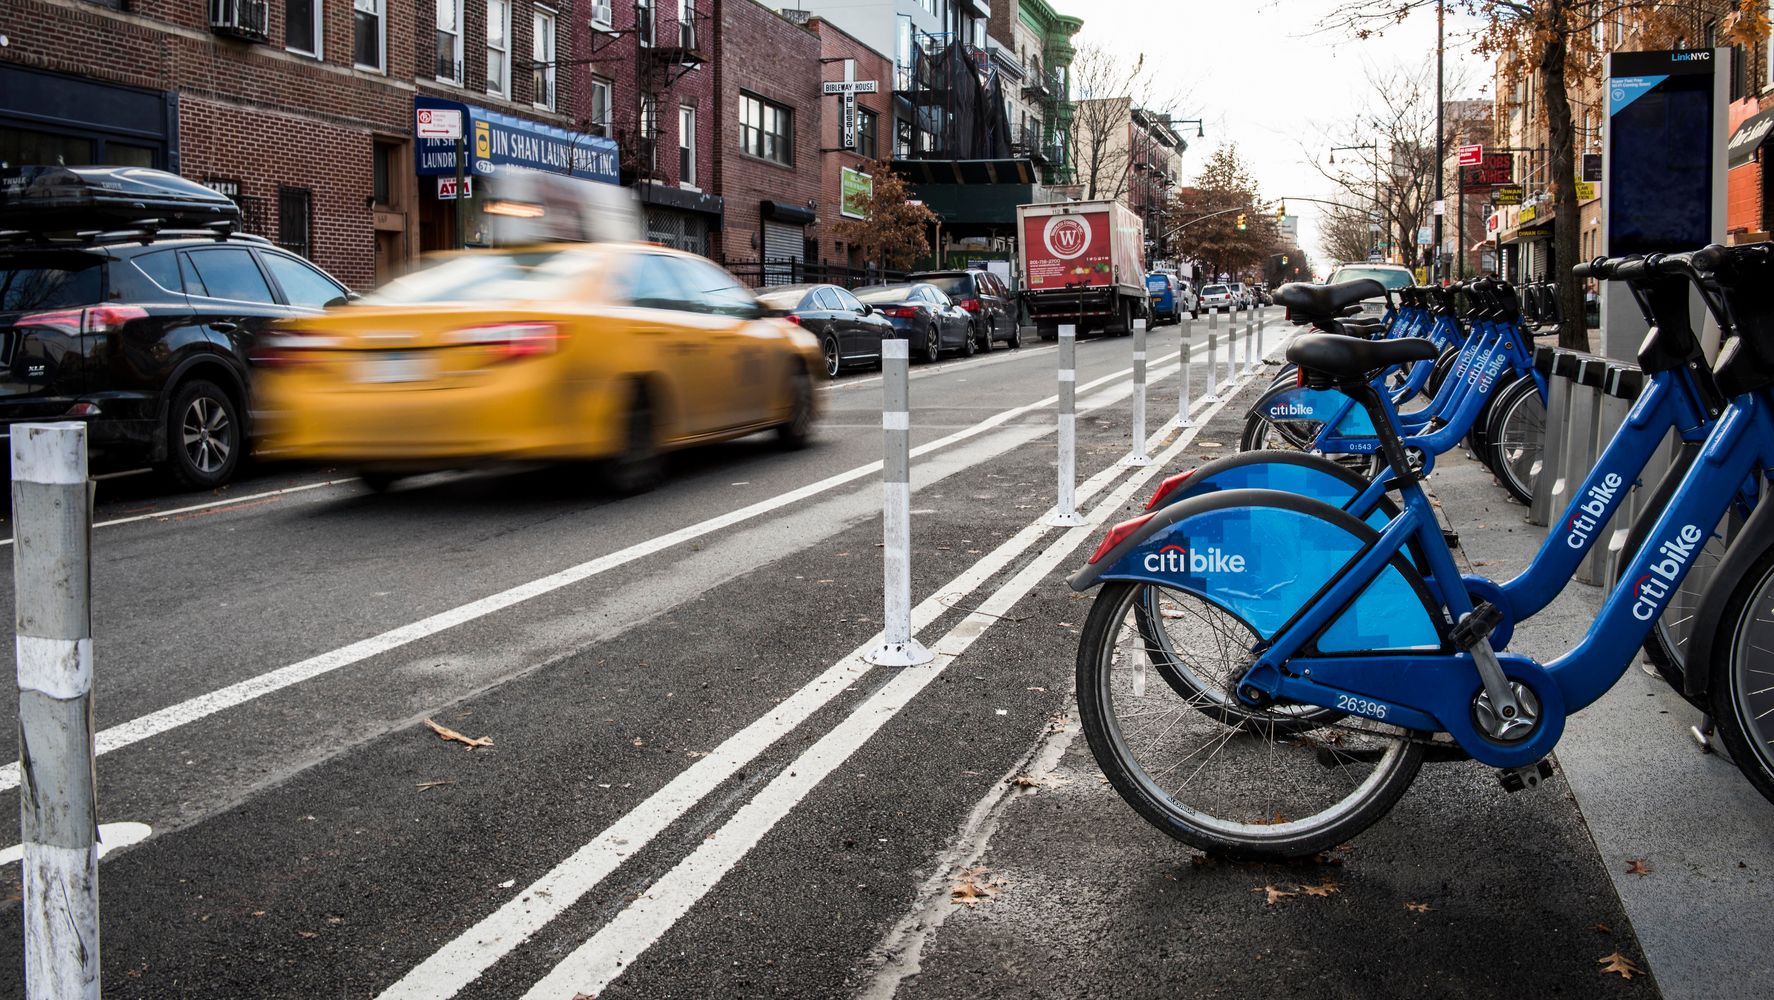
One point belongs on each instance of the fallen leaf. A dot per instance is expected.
(1417, 907)
(426, 786)
(974, 888)
(258, 913)
(1024, 781)
(307, 934)
(1639, 867)
(1273, 895)
(446, 733)
(1322, 889)
(1602, 929)
(1620, 965)
(1273, 820)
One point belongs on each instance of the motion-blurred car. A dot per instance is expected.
(985, 295)
(1189, 297)
(615, 352)
(1240, 294)
(1393, 276)
(1218, 298)
(127, 301)
(849, 330)
(924, 316)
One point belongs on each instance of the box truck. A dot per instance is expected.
(1082, 262)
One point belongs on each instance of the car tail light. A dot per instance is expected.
(512, 340)
(792, 318)
(899, 312)
(1117, 535)
(971, 305)
(1168, 487)
(92, 319)
(84, 410)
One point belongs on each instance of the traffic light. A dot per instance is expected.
(1281, 211)
(1241, 221)
(1284, 260)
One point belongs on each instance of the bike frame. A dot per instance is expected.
(1435, 692)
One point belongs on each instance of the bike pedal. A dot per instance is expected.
(1515, 779)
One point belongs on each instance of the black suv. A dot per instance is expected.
(985, 295)
(128, 301)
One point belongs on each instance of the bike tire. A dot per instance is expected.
(1283, 837)
(1738, 693)
(1514, 444)
(1262, 434)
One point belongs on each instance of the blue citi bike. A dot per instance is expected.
(1314, 658)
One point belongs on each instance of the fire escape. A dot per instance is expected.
(956, 102)
(660, 59)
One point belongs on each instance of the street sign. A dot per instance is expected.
(1494, 169)
(1508, 194)
(1471, 156)
(438, 123)
(446, 188)
(1439, 207)
(1586, 191)
(1592, 167)
(847, 120)
(1425, 236)
(849, 87)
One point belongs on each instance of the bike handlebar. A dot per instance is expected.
(1693, 264)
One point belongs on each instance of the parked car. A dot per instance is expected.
(987, 297)
(849, 330)
(562, 352)
(1218, 298)
(1241, 293)
(143, 333)
(1190, 298)
(923, 315)
(1393, 276)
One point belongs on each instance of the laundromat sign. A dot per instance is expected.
(494, 139)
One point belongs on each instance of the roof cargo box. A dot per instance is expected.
(67, 200)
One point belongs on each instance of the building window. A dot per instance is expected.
(766, 130)
(499, 48)
(643, 21)
(601, 15)
(294, 215)
(449, 41)
(301, 26)
(650, 130)
(542, 57)
(687, 24)
(600, 106)
(687, 146)
(369, 36)
(867, 123)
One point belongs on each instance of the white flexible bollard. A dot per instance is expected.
(1065, 512)
(898, 648)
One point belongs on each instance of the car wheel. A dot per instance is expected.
(1015, 340)
(932, 345)
(969, 342)
(797, 430)
(834, 359)
(637, 468)
(203, 439)
(378, 480)
(985, 340)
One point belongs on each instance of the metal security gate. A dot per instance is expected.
(784, 252)
(678, 229)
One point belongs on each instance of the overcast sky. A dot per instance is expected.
(1265, 79)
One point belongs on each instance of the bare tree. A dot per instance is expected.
(1106, 87)
(1343, 233)
(1555, 40)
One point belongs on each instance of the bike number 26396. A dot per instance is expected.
(1361, 706)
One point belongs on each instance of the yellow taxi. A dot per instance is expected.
(609, 351)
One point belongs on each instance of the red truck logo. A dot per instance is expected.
(1067, 237)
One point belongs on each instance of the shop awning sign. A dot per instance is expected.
(855, 190)
(1494, 170)
(1748, 138)
(496, 139)
(1508, 194)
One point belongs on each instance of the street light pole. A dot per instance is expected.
(1440, 130)
(1374, 148)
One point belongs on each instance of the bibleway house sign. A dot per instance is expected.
(845, 91)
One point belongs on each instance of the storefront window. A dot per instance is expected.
(368, 34)
(24, 147)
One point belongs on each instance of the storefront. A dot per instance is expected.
(494, 141)
(48, 118)
(1750, 184)
(677, 217)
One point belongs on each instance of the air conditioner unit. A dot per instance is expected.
(248, 19)
(600, 14)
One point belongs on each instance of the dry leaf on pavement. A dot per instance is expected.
(446, 733)
(1322, 889)
(1639, 867)
(1417, 907)
(974, 888)
(1620, 965)
(1274, 895)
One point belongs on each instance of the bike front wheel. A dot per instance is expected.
(1516, 438)
(1742, 694)
(1255, 783)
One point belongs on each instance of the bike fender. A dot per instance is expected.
(1754, 538)
(1264, 556)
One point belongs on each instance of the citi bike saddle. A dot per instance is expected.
(1314, 659)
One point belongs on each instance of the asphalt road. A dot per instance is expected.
(695, 787)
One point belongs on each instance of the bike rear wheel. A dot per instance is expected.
(1258, 783)
(1263, 434)
(1516, 437)
(1743, 676)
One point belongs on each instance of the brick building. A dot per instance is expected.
(767, 162)
(844, 56)
(303, 110)
(644, 79)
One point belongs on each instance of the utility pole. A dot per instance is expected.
(1440, 131)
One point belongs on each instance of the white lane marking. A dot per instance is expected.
(176, 511)
(612, 950)
(459, 963)
(173, 716)
(111, 837)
